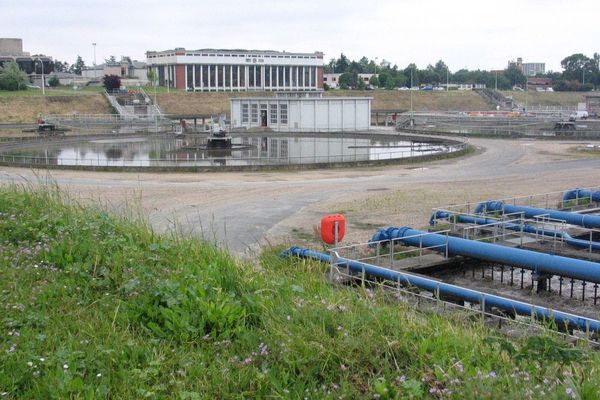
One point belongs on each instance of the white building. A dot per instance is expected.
(237, 70)
(300, 112)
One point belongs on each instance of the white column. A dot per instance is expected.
(310, 76)
(246, 79)
(297, 80)
(262, 77)
(194, 77)
(277, 77)
(238, 80)
(231, 78)
(284, 77)
(216, 69)
(202, 77)
(254, 74)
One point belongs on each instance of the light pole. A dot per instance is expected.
(43, 80)
(94, 44)
(376, 58)
(496, 80)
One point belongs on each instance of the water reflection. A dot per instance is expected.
(166, 150)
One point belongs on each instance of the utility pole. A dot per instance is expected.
(43, 80)
(94, 44)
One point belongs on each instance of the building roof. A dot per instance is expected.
(209, 50)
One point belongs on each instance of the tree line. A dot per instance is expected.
(580, 73)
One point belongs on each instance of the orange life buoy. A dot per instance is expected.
(328, 228)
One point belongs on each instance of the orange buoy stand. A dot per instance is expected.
(328, 224)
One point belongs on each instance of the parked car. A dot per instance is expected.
(403, 88)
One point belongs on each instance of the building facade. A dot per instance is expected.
(301, 112)
(11, 49)
(529, 69)
(237, 70)
(125, 69)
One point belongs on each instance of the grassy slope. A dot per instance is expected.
(217, 102)
(26, 106)
(95, 306)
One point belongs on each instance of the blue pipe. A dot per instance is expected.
(532, 260)
(472, 296)
(468, 219)
(588, 221)
(581, 194)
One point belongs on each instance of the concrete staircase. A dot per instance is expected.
(133, 104)
(496, 99)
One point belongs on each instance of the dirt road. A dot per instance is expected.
(247, 210)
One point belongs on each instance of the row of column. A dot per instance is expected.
(242, 77)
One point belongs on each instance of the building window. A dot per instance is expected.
(283, 114)
(243, 76)
(190, 76)
(244, 113)
(281, 73)
(284, 148)
(251, 72)
(273, 114)
(197, 75)
(273, 149)
(268, 76)
(254, 113)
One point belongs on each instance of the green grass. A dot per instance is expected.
(99, 306)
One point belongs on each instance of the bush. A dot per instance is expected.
(12, 78)
(111, 82)
(53, 81)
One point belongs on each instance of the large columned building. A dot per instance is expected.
(237, 70)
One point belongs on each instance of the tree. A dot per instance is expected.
(515, 75)
(374, 81)
(152, 77)
(341, 64)
(78, 66)
(60, 66)
(383, 79)
(575, 66)
(348, 80)
(111, 82)
(111, 60)
(12, 78)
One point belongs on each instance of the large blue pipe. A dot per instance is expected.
(581, 194)
(469, 219)
(445, 289)
(532, 260)
(588, 221)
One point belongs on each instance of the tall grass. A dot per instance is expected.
(99, 306)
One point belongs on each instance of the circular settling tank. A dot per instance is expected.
(191, 151)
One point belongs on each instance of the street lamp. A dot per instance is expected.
(94, 44)
(43, 80)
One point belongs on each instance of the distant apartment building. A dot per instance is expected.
(237, 70)
(529, 69)
(11, 49)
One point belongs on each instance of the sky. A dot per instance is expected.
(472, 34)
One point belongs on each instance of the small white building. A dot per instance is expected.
(333, 80)
(302, 112)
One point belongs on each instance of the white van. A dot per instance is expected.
(579, 115)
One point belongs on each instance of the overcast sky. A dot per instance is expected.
(473, 34)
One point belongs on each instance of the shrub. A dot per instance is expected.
(12, 78)
(111, 82)
(53, 81)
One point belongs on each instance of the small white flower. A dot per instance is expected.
(98, 375)
(29, 364)
(65, 366)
